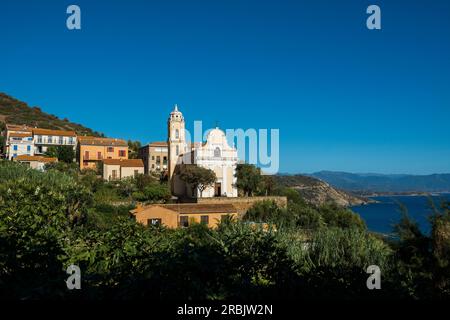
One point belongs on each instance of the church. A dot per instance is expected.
(214, 154)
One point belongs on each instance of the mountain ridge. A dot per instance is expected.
(436, 182)
(15, 111)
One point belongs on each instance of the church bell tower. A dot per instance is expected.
(176, 139)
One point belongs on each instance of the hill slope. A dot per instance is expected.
(318, 192)
(386, 183)
(17, 112)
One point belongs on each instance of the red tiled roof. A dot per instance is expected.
(97, 141)
(193, 208)
(35, 158)
(20, 135)
(131, 163)
(49, 132)
(158, 144)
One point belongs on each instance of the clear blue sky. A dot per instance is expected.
(344, 97)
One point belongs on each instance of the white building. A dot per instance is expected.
(214, 154)
(116, 169)
(45, 138)
(19, 141)
(24, 140)
(35, 162)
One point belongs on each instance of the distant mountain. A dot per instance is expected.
(17, 112)
(369, 182)
(317, 192)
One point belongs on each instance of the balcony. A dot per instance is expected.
(55, 142)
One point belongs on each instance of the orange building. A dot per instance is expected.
(183, 214)
(92, 150)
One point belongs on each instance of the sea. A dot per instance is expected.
(381, 216)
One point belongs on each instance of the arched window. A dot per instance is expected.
(217, 152)
(177, 134)
(177, 150)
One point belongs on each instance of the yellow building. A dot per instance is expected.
(116, 169)
(93, 150)
(183, 214)
(155, 156)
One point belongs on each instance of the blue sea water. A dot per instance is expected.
(382, 216)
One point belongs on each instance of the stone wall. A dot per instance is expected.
(242, 204)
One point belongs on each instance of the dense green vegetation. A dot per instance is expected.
(49, 220)
(62, 153)
(18, 112)
(197, 178)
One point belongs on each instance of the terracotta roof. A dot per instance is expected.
(40, 131)
(125, 162)
(35, 158)
(17, 127)
(193, 208)
(49, 132)
(20, 135)
(96, 141)
(158, 144)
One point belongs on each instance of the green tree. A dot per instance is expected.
(157, 192)
(37, 212)
(268, 185)
(248, 178)
(133, 149)
(144, 180)
(63, 153)
(198, 177)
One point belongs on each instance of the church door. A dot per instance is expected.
(217, 189)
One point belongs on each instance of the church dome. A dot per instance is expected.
(215, 136)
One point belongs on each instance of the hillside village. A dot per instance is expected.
(201, 176)
(175, 219)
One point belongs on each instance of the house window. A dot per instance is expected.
(204, 219)
(39, 139)
(122, 153)
(184, 221)
(85, 163)
(110, 149)
(177, 133)
(28, 148)
(114, 174)
(217, 152)
(50, 139)
(61, 140)
(153, 157)
(158, 159)
(99, 155)
(153, 166)
(177, 150)
(136, 172)
(86, 155)
(70, 140)
(154, 222)
(15, 147)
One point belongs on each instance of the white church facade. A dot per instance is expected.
(214, 154)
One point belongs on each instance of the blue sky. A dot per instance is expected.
(344, 97)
